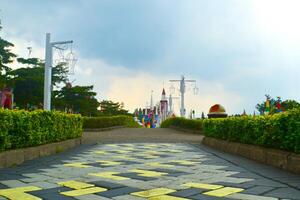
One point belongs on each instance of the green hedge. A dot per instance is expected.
(280, 131)
(20, 129)
(110, 121)
(181, 122)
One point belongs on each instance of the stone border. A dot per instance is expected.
(17, 156)
(278, 158)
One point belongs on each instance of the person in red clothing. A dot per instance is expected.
(6, 98)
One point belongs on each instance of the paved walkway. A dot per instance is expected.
(145, 169)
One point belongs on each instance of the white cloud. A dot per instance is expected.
(133, 87)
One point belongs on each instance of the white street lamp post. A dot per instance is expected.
(48, 70)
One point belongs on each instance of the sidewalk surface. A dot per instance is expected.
(134, 168)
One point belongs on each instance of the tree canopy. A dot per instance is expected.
(77, 99)
(108, 107)
(6, 57)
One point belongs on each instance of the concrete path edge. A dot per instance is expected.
(15, 157)
(278, 158)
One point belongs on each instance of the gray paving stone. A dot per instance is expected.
(258, 190)
(118, 192)
(91, 197)
(44, 185)
(284, 193)
(206, 197)
(249, 197)
(187, 192)
(128, 197)
(13, 183)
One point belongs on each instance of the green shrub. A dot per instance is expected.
(20, 129)
(109, 121)
(280, 131)
(181, 122)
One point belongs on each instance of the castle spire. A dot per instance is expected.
(163, 94)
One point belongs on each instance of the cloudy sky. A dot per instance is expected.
(237, 51)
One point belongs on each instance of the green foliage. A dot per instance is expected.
(80, 99)
(110, 121)
(20, 129)
(6, 57)
(28, 83)
(182, 123)
(290, 104)
(281, 131)
(112, 108)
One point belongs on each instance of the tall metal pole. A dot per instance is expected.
(48, 74)
(48, 69)
(182, 91)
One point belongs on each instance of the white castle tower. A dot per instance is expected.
(163, 106)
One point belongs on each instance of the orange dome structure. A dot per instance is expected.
(217, 111)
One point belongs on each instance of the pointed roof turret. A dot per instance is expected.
(163, 95)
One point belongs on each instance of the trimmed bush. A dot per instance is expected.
(109, 121)
(181, 122)
(21, 128)
(280, 131)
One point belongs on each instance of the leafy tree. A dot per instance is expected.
(290, 104)
(6, 57)
(28, 82)
(78, 99)
(108, 107)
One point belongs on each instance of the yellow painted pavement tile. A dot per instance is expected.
(100, 152)
(21, 189)
(109, 175)
(109, 163)
(153, 192)
(152, 152)
(167, 145)
(148, 173)
(129, 149)
(223, 191)
(141, 154)
(174, 151)
(19, 196)
(203, 186)
(184, 162)
(130, 145)
(124, 157)
(167, 197)
(122, 151)
(152, 145)
(84, 191)
(148, 147)
(156, 164)
(150, 156)
(77, 164)
(75, 184)
(112, 145)
(19, 193)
